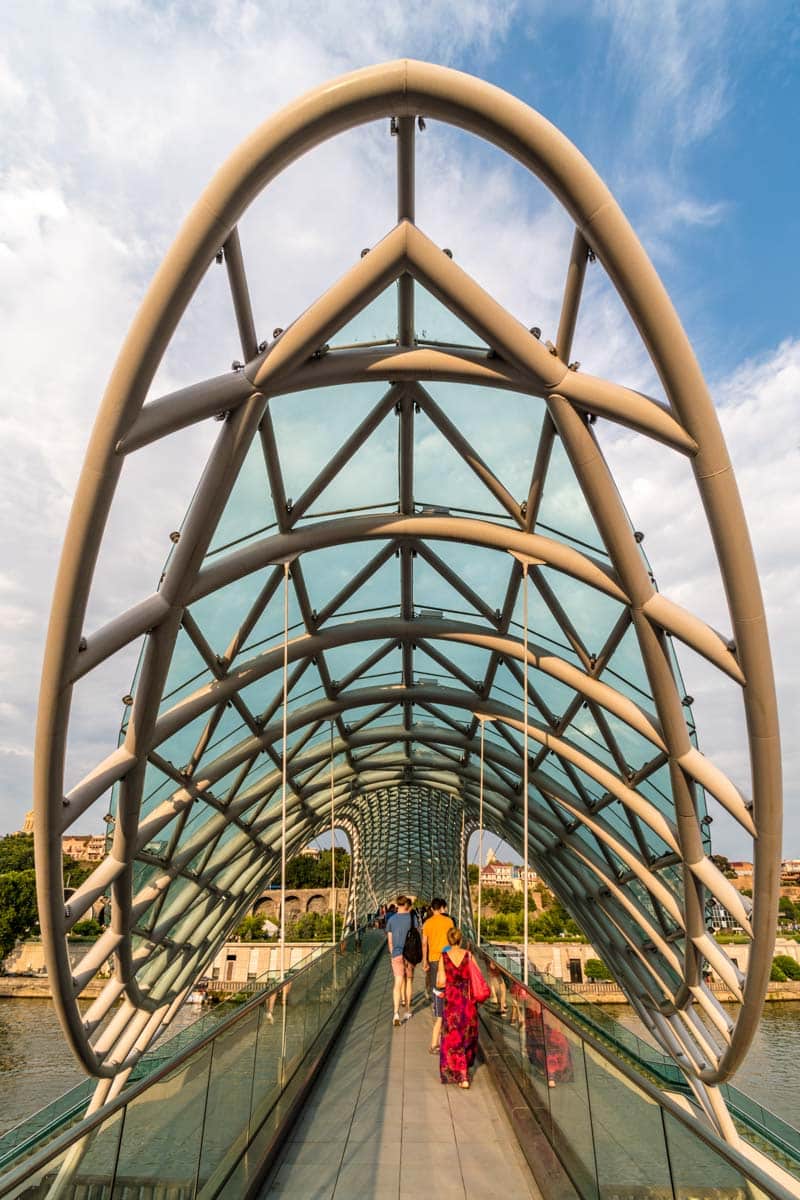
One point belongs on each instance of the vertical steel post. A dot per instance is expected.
(405, 212)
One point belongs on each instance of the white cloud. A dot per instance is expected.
(120, 116)
(757, 406)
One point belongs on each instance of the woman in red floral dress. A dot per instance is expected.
(459, 1041)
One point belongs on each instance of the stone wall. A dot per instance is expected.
(298, 902)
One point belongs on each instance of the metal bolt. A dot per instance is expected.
(236, 365)
(175, 536)
(365, 252)
(639, 536)
(421, 124)
(127, 700)
(262, 347)
(536, 331)
(218, 257)
(446, 250)
(276, 333)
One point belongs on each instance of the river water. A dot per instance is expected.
(36, 1065)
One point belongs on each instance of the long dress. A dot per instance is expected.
(459, 1041)
(547, 1047)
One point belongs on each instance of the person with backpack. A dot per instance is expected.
(434, 938)
(405, 951)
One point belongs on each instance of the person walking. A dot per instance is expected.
(397, 927)
(459, 1040)
(435, 932)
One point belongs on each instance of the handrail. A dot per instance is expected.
(41, 1124)
(85, 1128)
(736, 1158)
(768, 1126)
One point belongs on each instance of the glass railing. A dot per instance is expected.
(70, 1107)
(205, 1113)
(612, 1126)
(763, 1129)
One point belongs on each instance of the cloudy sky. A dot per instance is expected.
(114, 116)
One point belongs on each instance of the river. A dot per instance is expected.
(769, 1073)
(36, 1065)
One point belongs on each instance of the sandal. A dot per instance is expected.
(503, 1012)
(464, 1084)
(433, 1049)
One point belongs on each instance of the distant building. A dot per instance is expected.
(498, 875)
(87, 848)
(718, 919)
(506, 875)
(790, 871)
(741, 868)
(28, 826)
(311, 851)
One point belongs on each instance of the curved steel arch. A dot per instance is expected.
(622, 848)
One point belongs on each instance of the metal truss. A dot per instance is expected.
(616, 784)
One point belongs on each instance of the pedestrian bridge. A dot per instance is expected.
(305, 1089)
(406, 602)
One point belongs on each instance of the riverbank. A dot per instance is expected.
(609, 993)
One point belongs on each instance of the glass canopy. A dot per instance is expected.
(405, 586)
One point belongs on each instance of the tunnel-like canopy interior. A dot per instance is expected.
(406, 593)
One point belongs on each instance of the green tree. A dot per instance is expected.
(87, 929)
(252, 929)
(473, 873)
(18, 914)
(307, 871)
(595, 968)
(16, 852)
(313, 927)
(786, 964)
(720, 861)
(776, 975)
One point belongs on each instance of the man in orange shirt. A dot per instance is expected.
(434, 940)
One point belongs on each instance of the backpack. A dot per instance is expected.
(412, 946)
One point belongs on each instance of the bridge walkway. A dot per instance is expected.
(379, 1123)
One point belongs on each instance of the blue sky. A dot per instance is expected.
(116, 114)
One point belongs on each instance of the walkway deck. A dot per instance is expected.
(379, 1123)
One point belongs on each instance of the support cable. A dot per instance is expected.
(284, 762)
(333, 854)
(480, 834)
(525, 775)
(461, 857)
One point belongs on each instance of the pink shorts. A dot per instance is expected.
(400, 968)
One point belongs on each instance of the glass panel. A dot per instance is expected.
(569, 1104)
(229, 1093)
(629, 1139)
(433, 322)
(267, 1066)
(86, 1168)
(564, 509)
(307, 438)
(697, 1170)
(527, 1015)
(377, 322)
(163, 1128)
